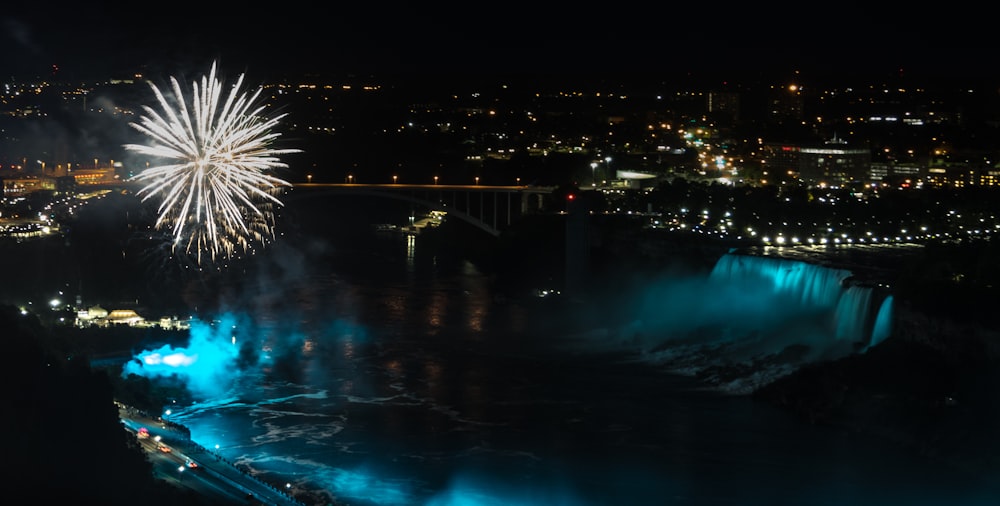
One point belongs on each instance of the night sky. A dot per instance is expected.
(96, 41)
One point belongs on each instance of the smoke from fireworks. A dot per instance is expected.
(216, 195)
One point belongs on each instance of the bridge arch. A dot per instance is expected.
(488, 208)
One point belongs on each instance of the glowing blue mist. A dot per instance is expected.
(208, 365)
(220, 353)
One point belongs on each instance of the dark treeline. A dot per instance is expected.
(64, 442)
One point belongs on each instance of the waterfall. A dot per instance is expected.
(811, 284)
(753, 319)
(852, 314)
(883, 322)
(818, 290)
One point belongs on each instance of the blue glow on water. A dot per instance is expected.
(471, 491)
(363, 485)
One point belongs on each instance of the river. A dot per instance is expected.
(370, 368)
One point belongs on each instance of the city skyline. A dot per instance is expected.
(58, 124)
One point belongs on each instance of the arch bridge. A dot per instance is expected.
(489, 208)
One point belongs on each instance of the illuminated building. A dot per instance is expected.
(23, 185)
(833, 163)
(724, 104)
(98, 175)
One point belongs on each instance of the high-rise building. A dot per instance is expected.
(724, 103)
(833, 163)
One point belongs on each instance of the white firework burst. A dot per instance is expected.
(216, 193)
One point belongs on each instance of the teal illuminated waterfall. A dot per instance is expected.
(752, 320)
(883, 322)
(847, 311)
(852, 314)
(811, 285)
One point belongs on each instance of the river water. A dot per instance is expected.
(363, 368)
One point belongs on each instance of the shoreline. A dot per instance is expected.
(236, 475)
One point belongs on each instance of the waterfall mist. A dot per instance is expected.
(750, 321)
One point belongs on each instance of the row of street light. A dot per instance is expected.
(593, 170)
(395, 179)
(593, 174)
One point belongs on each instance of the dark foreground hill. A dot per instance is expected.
(64, 442)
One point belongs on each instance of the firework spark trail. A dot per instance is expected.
(217, 194)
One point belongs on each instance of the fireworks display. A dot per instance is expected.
(215, 188)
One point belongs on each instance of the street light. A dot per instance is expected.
(593, 176)
(477, 180)
(394, 178)
(435, 180)
(350, 178)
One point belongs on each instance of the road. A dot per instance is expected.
(171, 453)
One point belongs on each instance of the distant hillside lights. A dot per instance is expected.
(21, 231)
(61, 178)
(96, 316)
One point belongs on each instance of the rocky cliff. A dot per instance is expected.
(933, 385)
